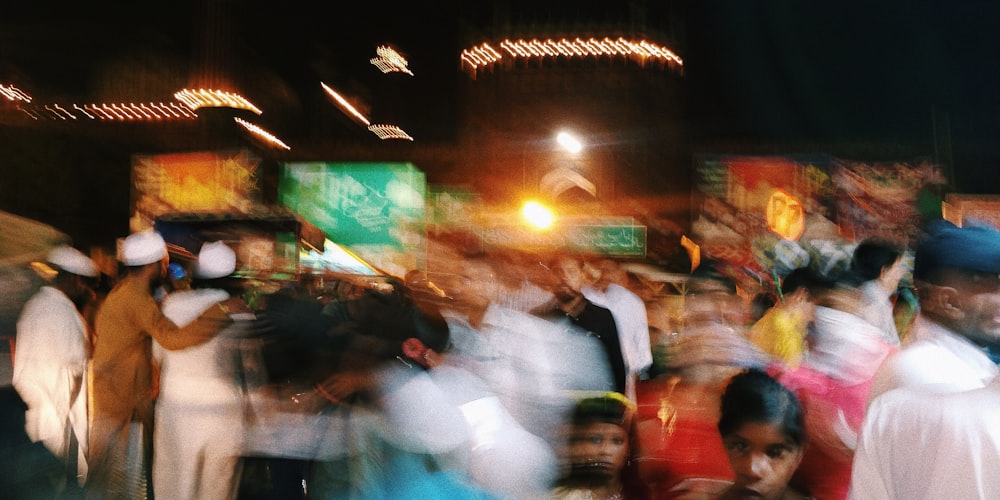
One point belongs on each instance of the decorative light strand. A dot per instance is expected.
(113, 112)
(484, 55)
(261, 133)
(13, 93)
(211, 98)
(344, 105)
(389, 132)
(388, 60)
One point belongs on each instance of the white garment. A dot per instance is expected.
(198, 426)
(50, 373)
(877, 309)
(845, 346)
(919, 445)
(938, 358)
(629, 312)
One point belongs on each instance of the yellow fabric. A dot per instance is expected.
(781, 333)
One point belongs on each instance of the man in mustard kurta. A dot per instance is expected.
(126, 323)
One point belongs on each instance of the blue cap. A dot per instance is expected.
(971, 248)
(175, 271)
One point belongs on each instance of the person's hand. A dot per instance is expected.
(340, 386)
(235, 305)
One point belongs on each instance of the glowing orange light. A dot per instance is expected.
(537, 215)
(785, 215)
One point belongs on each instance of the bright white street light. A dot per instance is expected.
(569, 142)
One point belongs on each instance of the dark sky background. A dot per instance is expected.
(913, 77)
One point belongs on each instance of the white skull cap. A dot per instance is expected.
(145, 247)
(215, 260)
(71, 260)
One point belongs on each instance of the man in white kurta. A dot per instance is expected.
(50, 360)
(919, 445)
(629, 312)
(957, 272)
(198, 432)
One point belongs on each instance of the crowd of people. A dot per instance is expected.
(510, 376)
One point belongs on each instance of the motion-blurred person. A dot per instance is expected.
(763, 431)
(919, 445)
(127, 322)
(880, 268)
(783, 329)
(957, 274)
(528, 362)
(611, 290)
(680, 453)
(50, 361)
(30, 470)
(199, 418)
(599, 451)
(570, 303)
(408, 438)
(833, 384)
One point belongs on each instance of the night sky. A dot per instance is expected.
(791, 74)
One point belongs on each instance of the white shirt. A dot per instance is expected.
(877, 309)
(918, 445)
(50, 372)
(629, 312)
(938, 358)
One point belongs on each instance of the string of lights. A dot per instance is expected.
(484, 55)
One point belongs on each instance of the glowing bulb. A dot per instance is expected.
(537, 215)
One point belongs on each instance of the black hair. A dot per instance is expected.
(605, 409)
(871, 256)
(805, 278)
(753, 396)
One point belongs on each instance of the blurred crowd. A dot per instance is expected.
(509, 375)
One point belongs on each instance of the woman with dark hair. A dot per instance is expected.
(597, 459)
(763, 431)
(879, 267)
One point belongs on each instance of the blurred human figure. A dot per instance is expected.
(879, 266)
(50, 361)
(31, 471)
(408, 437)
(923, 445)
(833, 384)
(198, 426)
(763, 430)
(680, 452)
(569, 302)
(783, 329)
(597, 459)
(611, 291)
(957, 274)
(127, 322)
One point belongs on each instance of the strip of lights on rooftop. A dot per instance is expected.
(261, 133)
(389, 61)
(484, 54)
(389, 132)
(13, 93)
(116, 112)
(210, 98)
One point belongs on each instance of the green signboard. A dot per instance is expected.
(358, 203)
(612, 240)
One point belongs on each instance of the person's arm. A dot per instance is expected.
(172, 337)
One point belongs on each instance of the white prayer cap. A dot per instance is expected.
(145, 247)
(72, 260)
(215, 260)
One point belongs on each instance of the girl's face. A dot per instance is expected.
(600, 449)
(763, 459)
